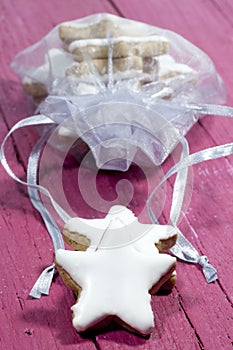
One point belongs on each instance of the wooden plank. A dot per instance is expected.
(26, 251)
(216, 130)
(211, 305)
(25, 246)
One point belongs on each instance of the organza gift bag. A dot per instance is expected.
(119, 85)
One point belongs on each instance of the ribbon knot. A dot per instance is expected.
(208, 270)
(203, 260)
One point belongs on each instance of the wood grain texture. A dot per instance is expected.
(26, 323)
(195, 315)
(209, 216)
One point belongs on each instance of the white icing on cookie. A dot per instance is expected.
(56, 62)
(87, 89)
(122, 228)
(106, 41)
(115, 282)
(167, 66)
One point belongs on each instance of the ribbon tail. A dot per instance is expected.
(43, 283)
(209, 271)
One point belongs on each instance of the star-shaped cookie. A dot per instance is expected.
(116, 282)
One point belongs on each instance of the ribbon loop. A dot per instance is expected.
(43, 283)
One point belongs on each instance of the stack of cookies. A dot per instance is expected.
(94, 54)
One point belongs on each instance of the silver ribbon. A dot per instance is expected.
(43, 283)
(34, 120)
(183, 249)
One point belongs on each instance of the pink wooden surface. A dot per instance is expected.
(195, 315)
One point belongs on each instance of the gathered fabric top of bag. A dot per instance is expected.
(119, 85)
